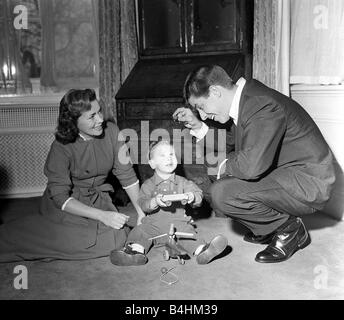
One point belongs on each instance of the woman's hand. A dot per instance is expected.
(114, 219)
(187, 117)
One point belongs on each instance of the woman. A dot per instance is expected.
(77, 218)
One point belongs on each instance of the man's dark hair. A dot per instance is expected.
(199, 80)
(72, 105)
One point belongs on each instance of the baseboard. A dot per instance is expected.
(335, 206)
(23, 193)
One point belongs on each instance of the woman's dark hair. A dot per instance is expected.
(199, 80)
(72, 105)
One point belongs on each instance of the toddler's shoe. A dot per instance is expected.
(127, 257)
(212, 249)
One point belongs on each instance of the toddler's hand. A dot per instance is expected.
(161, 202)
(158, 201)
(191, 196)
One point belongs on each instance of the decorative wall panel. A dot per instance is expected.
(325, 106)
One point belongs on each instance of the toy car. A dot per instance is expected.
(183, 198)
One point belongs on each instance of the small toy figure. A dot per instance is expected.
(163, 198)
(172, 248)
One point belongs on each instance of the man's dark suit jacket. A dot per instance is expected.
(276, 137)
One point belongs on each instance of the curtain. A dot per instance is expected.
(283, 47)
(118, 49)
(271, 43)
(109, 78)
(95, 22)
(317, 42)
(13, 79)
(129, 43)
(69, 44)
(48, 47)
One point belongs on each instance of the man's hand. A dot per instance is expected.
(188, 118)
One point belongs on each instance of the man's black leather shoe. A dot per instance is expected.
(251, 237)
(287, 240)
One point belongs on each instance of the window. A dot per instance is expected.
(48, 46)
(317, 42)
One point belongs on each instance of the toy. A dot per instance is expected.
(176, 197)
(172, 248)
(167, 276)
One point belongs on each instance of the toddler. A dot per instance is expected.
(160, 214)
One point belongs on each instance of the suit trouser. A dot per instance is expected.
(262, 206)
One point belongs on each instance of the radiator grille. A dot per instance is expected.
(28, 116)
(26, 134)
(22, 161)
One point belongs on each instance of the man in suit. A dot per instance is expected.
(281, 167)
